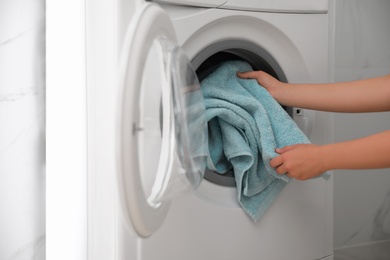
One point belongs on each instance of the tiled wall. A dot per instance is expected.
(361, 198)
(22, 119)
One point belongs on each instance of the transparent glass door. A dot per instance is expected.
(162, 129)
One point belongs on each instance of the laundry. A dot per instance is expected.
(245, 125)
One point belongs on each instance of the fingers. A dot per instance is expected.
(277, 164)
(284, 149)
(249, 74)
(281, 170)
(296, 161)
(277, 161)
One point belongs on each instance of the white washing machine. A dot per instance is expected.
(138, 127)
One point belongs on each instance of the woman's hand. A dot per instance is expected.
(301, 161)
(271, 84)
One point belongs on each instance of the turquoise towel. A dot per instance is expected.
(245, 125)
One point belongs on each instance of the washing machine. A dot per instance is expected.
(152, 138)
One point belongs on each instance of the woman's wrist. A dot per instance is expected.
(325, 160)
(278, 92)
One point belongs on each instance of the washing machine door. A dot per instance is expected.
(162, 129)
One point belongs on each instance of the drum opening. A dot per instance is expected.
(210, 59)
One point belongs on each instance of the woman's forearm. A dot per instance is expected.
(371, 152)
(369, 95)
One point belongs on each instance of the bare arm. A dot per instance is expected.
(304, 161)
(369, 95)
(371, 152)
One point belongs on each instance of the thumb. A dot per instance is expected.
(248, 75)
(284, 149)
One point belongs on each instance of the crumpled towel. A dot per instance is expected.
(245, 125)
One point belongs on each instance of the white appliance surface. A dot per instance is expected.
(285, 6)
(209, 224)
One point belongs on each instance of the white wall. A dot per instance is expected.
(66, 131)
(22, 131)
(361, 198)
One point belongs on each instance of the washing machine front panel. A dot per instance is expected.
(210, 224)
(200, 3)
(279, 6)
(265, 36)
(276, 6)
(286, 37)
(162, 138)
